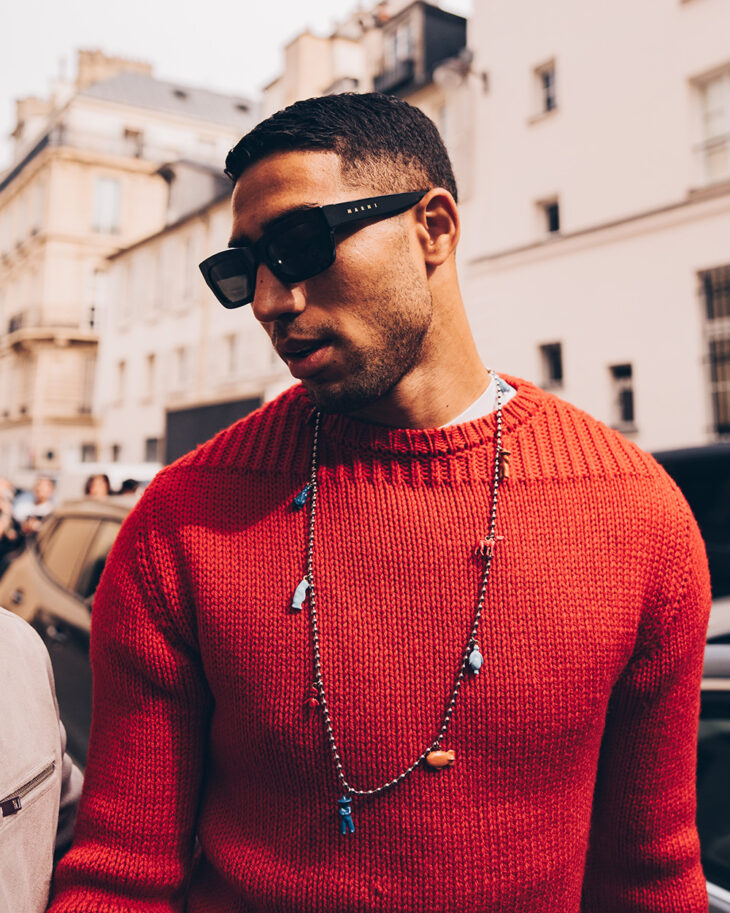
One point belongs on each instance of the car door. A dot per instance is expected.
(713, 775)
(62, 618)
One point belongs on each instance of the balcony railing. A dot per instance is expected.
(396, 76)
(34, 320)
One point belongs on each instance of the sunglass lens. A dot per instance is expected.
(301, 249)
(234, 278)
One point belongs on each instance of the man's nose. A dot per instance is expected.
(274, 299)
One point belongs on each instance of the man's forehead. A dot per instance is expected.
(288, 179)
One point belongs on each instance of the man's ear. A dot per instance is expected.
(438, 226)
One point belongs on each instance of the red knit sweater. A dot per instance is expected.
(573, 787)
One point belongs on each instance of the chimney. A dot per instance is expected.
(94, 66)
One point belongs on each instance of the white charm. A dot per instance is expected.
(300, 594)
(475, 660)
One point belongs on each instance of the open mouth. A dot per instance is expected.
(294, 354)
(307, 357)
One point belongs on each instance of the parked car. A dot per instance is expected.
(52, 585)
(713, 765)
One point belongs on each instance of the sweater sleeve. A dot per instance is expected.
(644, 852)
(133, 841)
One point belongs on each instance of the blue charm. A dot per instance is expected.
(476, 660)
(344, 808)
(301, 499)
(300, 594)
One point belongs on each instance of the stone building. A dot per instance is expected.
(85, 181)
(596, 247)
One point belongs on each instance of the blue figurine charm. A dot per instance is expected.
(344, 808)
(301, 499)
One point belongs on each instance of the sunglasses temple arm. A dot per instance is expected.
(370, 208)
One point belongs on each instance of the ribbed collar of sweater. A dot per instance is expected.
(361, 435)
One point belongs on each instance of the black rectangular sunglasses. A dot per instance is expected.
(297, 247)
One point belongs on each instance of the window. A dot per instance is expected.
(188, 269)
(88, 367)
(88, 453)
(714, 111)
(116, 452)
(231, 351)
(715, 284)
(151, 450)
(134, 141)
(397, 46)
(181, 367)
(551, 358)
(95, 559)
(623, 397)
(37, 214)
(121, 380)
(106, 205)
(549, 216)
(545, 88)
(62, 549)
(150, 372)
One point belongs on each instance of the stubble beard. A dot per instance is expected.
(401, 324)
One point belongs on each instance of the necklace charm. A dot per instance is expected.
(311, 702)
(301, 499)
(476, 660)
(439, 759)
(344, 809)
(300, 594)
(504, 456)
(486, 546)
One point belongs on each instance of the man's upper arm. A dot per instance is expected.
(644, 850)
(134, 835)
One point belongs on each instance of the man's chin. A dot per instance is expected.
(336, 399)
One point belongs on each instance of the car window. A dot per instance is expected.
(63, 550)
(45, 533)
(713, 786)
(95, 558)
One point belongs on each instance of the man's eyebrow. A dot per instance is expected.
(241, 240)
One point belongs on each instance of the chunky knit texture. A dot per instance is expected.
(573, 787)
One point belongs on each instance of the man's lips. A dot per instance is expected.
(304, 356)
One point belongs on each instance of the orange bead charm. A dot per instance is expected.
(439, 759)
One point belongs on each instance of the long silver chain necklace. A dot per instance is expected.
(471, 658)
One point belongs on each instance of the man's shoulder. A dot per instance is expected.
(256, 442)
(564, 441)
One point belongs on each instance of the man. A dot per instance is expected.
(30, 512)
(405, 638)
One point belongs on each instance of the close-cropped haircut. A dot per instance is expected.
(380, 139)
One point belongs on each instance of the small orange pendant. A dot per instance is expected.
(439, 759)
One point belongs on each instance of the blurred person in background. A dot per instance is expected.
(129, 487)
(97, 486)
(10, 537)
(412, 636)
(39, 784)
(30, 512)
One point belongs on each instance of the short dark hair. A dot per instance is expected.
(392, 144)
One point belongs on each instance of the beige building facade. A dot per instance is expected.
(174, 366)
(596, 248)
(85, 182)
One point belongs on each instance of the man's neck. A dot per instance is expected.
(429, 401)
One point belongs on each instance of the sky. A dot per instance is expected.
(218, 44)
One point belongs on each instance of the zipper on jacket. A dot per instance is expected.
(12, 804)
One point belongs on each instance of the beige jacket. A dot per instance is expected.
(39, 786)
